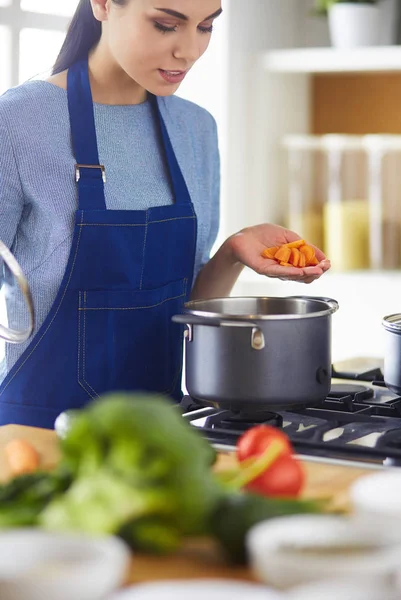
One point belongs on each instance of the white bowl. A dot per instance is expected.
(294, 550)
(37, 565)
(377, 498)
(198, 589)
(343, 590)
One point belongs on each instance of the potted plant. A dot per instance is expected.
(352, 23)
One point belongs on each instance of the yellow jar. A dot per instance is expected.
(307, 186)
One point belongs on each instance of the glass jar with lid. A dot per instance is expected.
(384, 155)
(346, 212)
(307, 186)
(328, 196)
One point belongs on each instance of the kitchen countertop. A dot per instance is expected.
(198, 559)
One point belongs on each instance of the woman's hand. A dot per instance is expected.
(219, 275)
(247, 247)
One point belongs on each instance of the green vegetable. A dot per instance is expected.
(132, 466)
(24, 498)
(237, 513)
(152, 534)
(101, 503)
(134, 456)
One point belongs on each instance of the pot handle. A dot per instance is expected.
(332, 303)
(187, 319)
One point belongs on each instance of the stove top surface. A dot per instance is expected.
(359, 421)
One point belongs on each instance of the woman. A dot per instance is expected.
(109, 199)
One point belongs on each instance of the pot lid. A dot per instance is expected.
(392, 322)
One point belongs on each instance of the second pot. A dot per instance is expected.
(392, 352)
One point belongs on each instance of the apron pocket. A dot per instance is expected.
(127, 341)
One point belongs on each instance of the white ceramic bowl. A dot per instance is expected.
(36, 565)
(377, 498)
(294, 550)
(198, 589)
(343, 590)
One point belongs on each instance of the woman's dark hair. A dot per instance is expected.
(83, 34)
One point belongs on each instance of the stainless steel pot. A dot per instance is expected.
(392, 352)
(258, 352)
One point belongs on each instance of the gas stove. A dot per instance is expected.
(358, 422)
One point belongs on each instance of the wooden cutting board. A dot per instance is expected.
(198, 559)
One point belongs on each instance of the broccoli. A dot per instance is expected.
(133, 457)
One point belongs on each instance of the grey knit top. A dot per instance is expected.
(38, 194)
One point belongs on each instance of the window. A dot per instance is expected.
(5, 57)
(31, 35)
(63, 8)
(47, 45)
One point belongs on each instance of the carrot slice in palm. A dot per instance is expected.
(283, 254)
(302, 260)
(270, 252)
(295, 256)
(296, 244)
(308, 251)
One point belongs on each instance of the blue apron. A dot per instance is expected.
(128, 272)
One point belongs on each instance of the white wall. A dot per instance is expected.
(313, 30)
(253, 27)
(208, 85)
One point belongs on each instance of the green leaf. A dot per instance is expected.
(322, 6)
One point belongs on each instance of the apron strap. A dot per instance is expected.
(180, 188)
(89, 174)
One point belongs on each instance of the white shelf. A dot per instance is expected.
(332, 60)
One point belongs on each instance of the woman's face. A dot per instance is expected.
(156, 42)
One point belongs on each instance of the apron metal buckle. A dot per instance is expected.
(78, 172)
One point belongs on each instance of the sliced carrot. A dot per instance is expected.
(295, 256)
(296, 244)
(22, 457)
(283, 254)
(308, 251)
(270, 252)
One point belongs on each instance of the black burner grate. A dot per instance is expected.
(356, 421)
